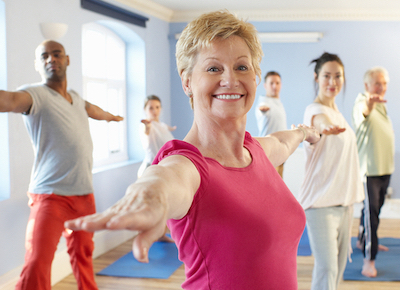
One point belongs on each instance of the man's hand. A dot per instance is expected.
(263, 108)
(115, 118)
(371, 102)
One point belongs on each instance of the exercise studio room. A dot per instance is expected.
(172, 144)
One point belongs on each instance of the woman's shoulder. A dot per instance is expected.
(317, 108)
(176, 144)
(185, 149)
(179, 147)
(314, 106)
(253, 144)
(248, 139)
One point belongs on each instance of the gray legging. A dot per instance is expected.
(329, 234)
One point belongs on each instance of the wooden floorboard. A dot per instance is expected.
(387, 228)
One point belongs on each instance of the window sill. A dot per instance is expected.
(103, 168)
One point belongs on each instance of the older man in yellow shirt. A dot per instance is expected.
(375, 142)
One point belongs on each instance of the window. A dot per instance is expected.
(4, 156)
(104, 84)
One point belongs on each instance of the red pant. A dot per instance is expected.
(45, 226)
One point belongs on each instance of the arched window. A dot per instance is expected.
(4, 156)
(104, 84)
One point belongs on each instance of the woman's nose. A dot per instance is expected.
(229, 79)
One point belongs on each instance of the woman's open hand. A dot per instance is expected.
(311, 134)
(333, 130)
(142, 209)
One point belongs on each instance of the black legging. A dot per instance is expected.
(375, 191)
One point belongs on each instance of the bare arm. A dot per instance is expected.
(147, 126)
(98, 113)
(17, 102)
(280, 145)
(371, 102)
(164, 191)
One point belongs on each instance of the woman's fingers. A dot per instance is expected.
(90, 223)
(143, 241)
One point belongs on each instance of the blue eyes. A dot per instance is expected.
(212, 69)
(215, 69)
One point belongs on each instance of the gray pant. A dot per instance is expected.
(329, 234)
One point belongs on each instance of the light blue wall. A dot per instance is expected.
(5, 161)
(359, 44)
(22, 39)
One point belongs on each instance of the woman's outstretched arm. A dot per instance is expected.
(163, 192)
(280, 145)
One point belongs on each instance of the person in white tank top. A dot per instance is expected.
(153, 134)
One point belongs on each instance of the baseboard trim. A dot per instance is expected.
(61, 268)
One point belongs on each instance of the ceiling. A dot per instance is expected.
(271, 10)
(189, 5)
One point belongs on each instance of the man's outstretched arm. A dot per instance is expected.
(98, 113)
(16, 102)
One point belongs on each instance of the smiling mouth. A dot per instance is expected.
(228, 97)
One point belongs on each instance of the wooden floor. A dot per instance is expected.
(387, 228)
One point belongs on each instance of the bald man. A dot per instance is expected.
(61, 181)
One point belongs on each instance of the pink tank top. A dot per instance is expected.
(244, 225)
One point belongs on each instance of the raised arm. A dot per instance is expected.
(98, 113)
(163, 192)
(371, 102)
(147, 126)
(17, 102)
(280, 145)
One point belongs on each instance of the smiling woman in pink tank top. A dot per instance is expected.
(235, 223)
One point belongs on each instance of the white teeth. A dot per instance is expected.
(228, 97)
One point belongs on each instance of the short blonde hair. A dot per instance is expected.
(376, 69)
(202, 31)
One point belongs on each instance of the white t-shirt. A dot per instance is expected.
(332, 168)
(61, 142)
(159, 134)
(272, 120)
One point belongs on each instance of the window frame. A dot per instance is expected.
(120, 85)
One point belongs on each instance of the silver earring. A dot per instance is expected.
(190, 94)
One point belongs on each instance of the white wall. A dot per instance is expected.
(23, 35)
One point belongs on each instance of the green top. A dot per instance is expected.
(375, 139)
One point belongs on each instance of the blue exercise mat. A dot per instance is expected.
(387, 263)
(304, 245)
(163, 261)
